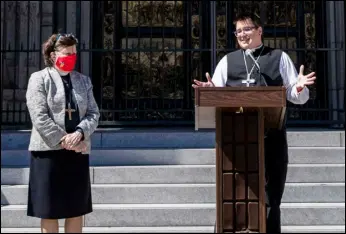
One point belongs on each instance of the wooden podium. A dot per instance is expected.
(240, 116)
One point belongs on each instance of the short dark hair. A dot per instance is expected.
(248, 16)
(55, 41)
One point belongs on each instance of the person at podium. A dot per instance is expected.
(257, 65)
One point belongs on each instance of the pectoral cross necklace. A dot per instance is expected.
(69, 110)
(248, 80)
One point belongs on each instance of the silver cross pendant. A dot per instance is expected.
(248, 81)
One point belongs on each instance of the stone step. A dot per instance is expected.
(112, 157)
(179, 174)
(145, 138)
(314, 229)
(158, 215)
(187, 229)
(180, 193)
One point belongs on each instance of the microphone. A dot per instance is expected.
(249, 52)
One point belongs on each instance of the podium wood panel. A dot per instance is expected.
(240, 181)
(241, 96)
(272, 100)
(240, 199)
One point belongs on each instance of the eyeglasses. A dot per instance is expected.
(245, 30)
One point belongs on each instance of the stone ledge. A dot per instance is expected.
(178, 138)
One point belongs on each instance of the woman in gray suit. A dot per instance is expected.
(64, 115)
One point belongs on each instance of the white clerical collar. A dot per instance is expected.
(61, 73)
(257, 48)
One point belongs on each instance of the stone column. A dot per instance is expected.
(22, 33)
(85, 38)
(336, 59)
(85, 30)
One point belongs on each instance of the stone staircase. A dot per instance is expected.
(162, 180)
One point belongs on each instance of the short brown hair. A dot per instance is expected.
(55, 41)
(248, 16)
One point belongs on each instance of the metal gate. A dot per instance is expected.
(143, 55)
(148, 61)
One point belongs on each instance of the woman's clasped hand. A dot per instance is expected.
(73, 141)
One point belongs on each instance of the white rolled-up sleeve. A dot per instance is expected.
(290, 77)
(220, 74)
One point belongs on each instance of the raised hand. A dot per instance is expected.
(304, 80)
(209, 83)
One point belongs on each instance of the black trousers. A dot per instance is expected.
(276, 161)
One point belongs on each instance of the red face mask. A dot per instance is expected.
(66, 63)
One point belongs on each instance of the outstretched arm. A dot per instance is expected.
(296, 84)
(220, 74)
(219, 78)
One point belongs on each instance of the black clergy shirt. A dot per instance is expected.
(70, 125)
(276, 69)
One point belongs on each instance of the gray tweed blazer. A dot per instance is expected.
(45, 99)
